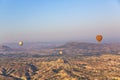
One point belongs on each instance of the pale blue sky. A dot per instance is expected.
(59, 20)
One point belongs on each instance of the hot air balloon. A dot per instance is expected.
(21, 43)
(99, 38)
(60, 52)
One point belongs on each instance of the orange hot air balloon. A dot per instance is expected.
(99, 38)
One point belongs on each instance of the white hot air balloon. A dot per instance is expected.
(60, 52)
(21, 43)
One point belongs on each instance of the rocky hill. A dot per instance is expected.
(104, 67)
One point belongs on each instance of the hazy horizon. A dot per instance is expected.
(59, 20)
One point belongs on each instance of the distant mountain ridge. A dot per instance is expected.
(5, 48)
(90, 48)
(71, 48)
